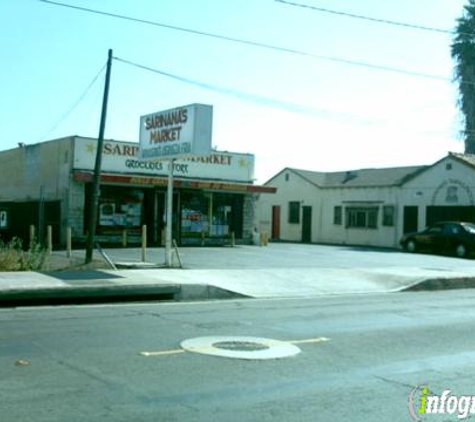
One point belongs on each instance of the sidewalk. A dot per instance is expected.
(278, 270)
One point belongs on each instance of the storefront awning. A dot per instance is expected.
(120, 179)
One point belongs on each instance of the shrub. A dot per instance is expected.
(14, 258)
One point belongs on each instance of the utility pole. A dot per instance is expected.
(94, 204)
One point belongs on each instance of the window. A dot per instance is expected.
(287, 177)
(435, 230)
(119, 209)
(362, 217)
(294, 212)
(388, 215)
(337, 215)
(452, 229)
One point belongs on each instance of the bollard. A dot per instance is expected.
(32, 234)
(233, 239)
(49, 239)
(264, 239)
(202, 238)
(69, 242)
(124, 238)
(144, 243)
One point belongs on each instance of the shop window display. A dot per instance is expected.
(120, 209)
(194, 214)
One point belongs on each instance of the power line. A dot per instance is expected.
(73, 107)
(267, 101)
(258, 44)
(369, 18)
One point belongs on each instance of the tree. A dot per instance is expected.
(463, 52)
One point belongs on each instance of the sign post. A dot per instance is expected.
(169, 208)
(177, 133)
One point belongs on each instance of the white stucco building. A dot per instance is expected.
(370, 206)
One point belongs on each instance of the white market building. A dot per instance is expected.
(50, 183)
(372, 207)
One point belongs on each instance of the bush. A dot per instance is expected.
(14, 258)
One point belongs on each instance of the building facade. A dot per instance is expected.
(50, 183)
(367, 207)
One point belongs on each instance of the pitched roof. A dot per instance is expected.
(395, 176)
(466, 158)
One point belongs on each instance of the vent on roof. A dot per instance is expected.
(349, 175)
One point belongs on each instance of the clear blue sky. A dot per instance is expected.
(289, 110)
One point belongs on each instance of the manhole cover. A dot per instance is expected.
(240, 347)
(243, 346)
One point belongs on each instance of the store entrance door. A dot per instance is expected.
(306, 224)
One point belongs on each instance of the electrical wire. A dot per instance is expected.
(267, 101)
(371, 19)
(74, 106)
(258, 44)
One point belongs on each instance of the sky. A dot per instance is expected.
(288, 109)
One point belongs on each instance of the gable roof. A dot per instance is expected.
(395, 176)
(464, 158)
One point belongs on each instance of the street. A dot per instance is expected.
(87, 363)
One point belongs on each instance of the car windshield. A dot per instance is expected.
(469, 227)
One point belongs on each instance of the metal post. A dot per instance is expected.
(168, 229)
(41, 217)
(144, 243)
(49, 238)
(32, 234)
(97, 168)
(69, 242)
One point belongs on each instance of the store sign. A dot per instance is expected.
(123, 158)
(176, 133)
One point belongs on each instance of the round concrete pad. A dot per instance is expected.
(240, 347)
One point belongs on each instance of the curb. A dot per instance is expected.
(87, 293)
(434, 284)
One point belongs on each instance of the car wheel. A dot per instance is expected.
(461, 250)
(411, 245)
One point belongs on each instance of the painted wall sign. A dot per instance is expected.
(176, 133)
(123, 157)
(453, 192)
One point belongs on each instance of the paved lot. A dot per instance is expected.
(278, 270)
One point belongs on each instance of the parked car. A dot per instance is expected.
(451, 237)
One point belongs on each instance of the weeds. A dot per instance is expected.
(14, 258)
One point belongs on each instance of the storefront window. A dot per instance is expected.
(119, 208)
(194, 214)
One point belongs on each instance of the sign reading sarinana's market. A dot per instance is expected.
(179, 132)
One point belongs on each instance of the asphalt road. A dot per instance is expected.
(85, 363)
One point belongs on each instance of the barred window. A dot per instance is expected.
(294, 212)
(362, 217)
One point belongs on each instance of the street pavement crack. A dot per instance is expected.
(398, 383)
